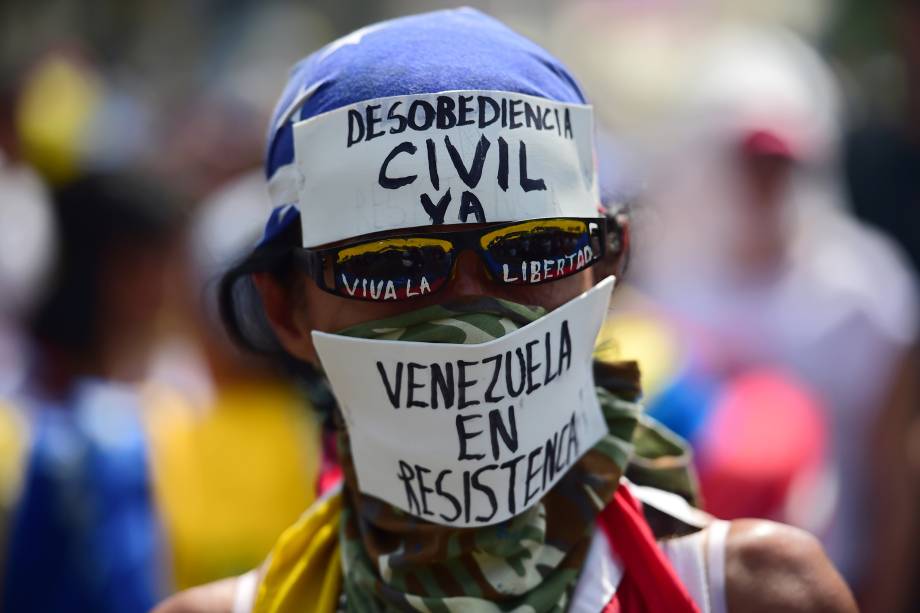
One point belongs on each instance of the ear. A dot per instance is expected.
(281, 308)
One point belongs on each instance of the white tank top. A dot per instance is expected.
(698, 560)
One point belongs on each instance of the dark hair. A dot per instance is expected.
(238, 300)
(245, 321)
(97, 216)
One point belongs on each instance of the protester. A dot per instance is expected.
(84, 536)
(26, 248)
(757, 263)
(432, 249)
(229, 428)
(26, 238)
(882, 156)
(882, 159)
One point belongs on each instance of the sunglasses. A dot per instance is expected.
(411, 265)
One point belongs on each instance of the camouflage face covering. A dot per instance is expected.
(396, 562)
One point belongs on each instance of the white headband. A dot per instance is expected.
(452, 157)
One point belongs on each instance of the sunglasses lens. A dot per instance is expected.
(393, 269)
(542, 250)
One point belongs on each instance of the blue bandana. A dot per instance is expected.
(460, 49)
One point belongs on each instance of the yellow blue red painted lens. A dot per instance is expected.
(568, 226)
(391, 244)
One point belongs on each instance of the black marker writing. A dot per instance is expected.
(491, 487)
(517, 372)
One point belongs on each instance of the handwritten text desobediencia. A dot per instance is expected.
(446, 113)
(425, 159)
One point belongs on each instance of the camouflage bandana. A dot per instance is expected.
(396, 562)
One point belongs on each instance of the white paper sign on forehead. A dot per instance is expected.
(471, 435)
(430, 159)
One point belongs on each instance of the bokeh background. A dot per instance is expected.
(768, 157)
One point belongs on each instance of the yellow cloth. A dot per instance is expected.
(14, 441)
(59, 100)
(230, 479)
(14, 448)
(642, 338)
(303, 573)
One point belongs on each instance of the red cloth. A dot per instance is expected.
(649, 583)
(765, 437)
(330, 472)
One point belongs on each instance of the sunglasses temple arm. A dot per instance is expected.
(618, 225)
(312, 262)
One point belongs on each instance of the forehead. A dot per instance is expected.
(402, 232)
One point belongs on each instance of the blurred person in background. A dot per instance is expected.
(26, 251)
(583, 543)
(759, 434)
(249, 436)
(242, 432)
(26, 236)
(204, 155)
(883, 175)
(70, 117)
(753, 257)
(85, 536)
(883, 155)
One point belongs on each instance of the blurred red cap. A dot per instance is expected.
(769, 143)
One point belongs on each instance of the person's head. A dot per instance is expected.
(98, 314)
(433, 159)
(757, 121)
(222, 229)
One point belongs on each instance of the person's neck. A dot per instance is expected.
(228, 367)
(59, 370)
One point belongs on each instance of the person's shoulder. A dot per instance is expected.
(216, 597)
(774, 567)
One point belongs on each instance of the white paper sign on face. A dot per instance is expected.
(445, 158)
(471, 435)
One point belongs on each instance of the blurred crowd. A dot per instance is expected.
(768, 158)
